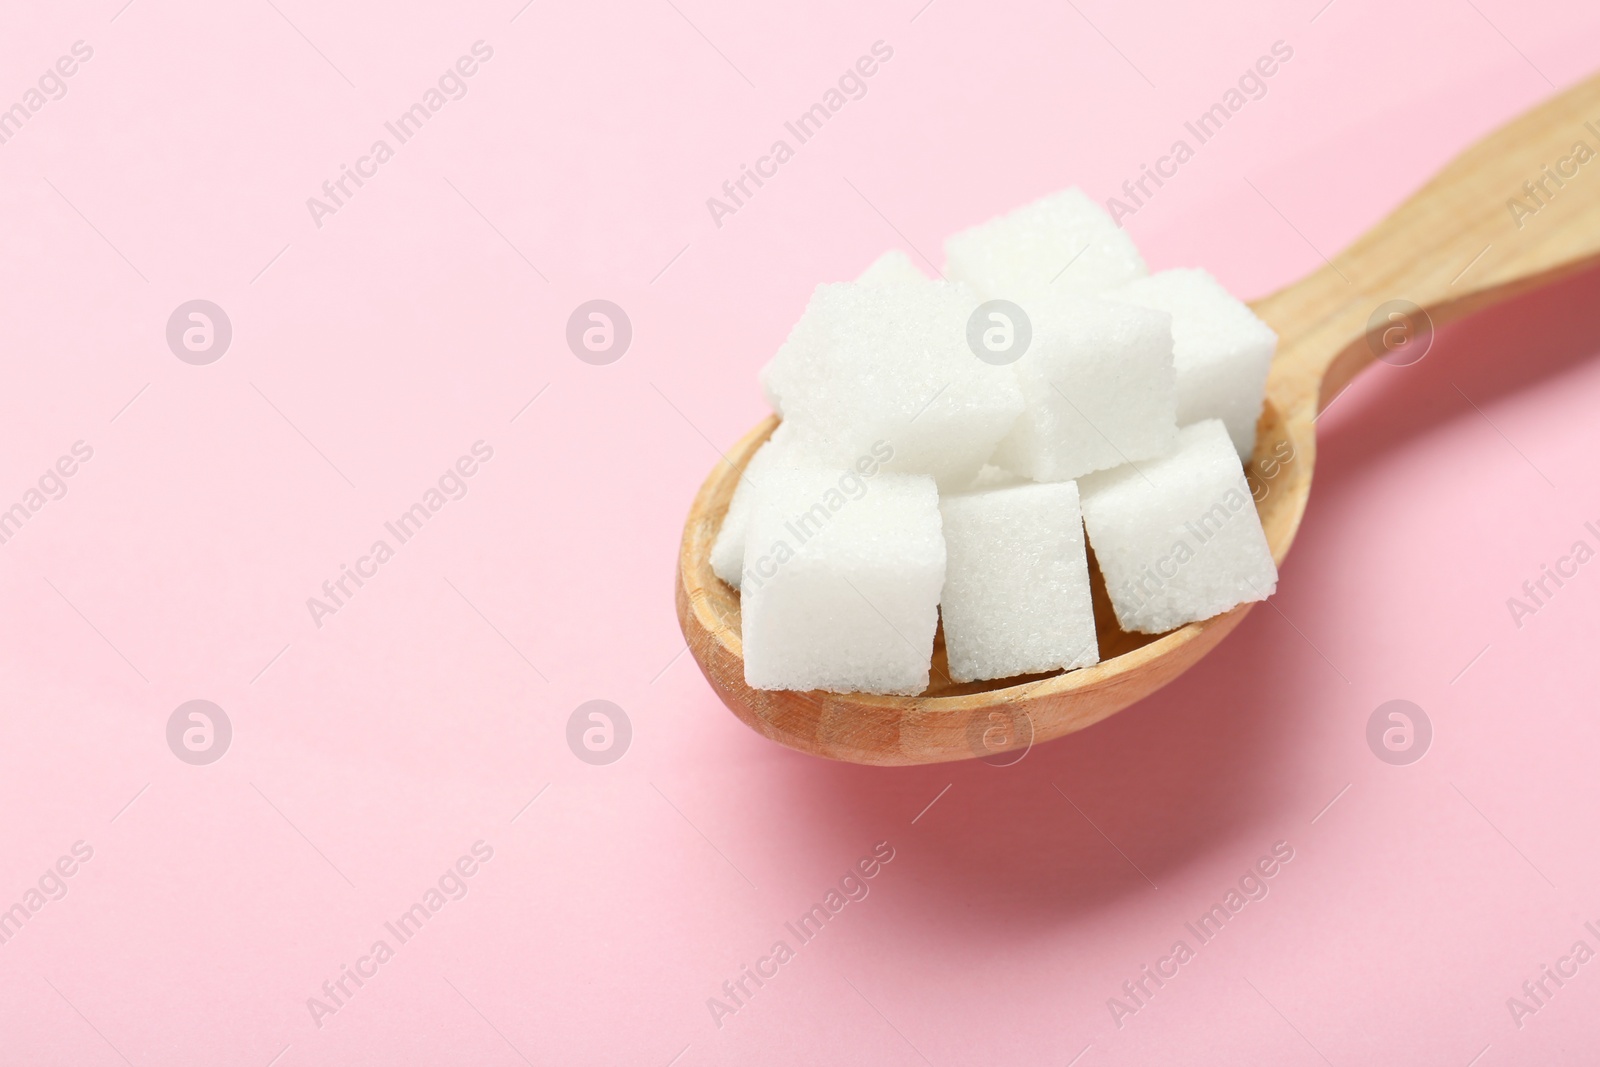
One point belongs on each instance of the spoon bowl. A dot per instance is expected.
(1456, 246)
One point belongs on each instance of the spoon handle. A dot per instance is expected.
(1516, 211)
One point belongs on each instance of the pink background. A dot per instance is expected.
(368, 754)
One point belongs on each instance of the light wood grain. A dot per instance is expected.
(1453, 248)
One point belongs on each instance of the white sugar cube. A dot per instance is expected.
(1016, 587)
(841, 585)
(727, 552)
(888, 366)
(1098, 387)
(891, 267)
(1178, 538)
(1061, 244)
(894, 267)
(1220, 349)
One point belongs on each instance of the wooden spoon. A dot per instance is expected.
(1455, 247)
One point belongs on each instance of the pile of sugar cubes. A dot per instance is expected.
(945, 445)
